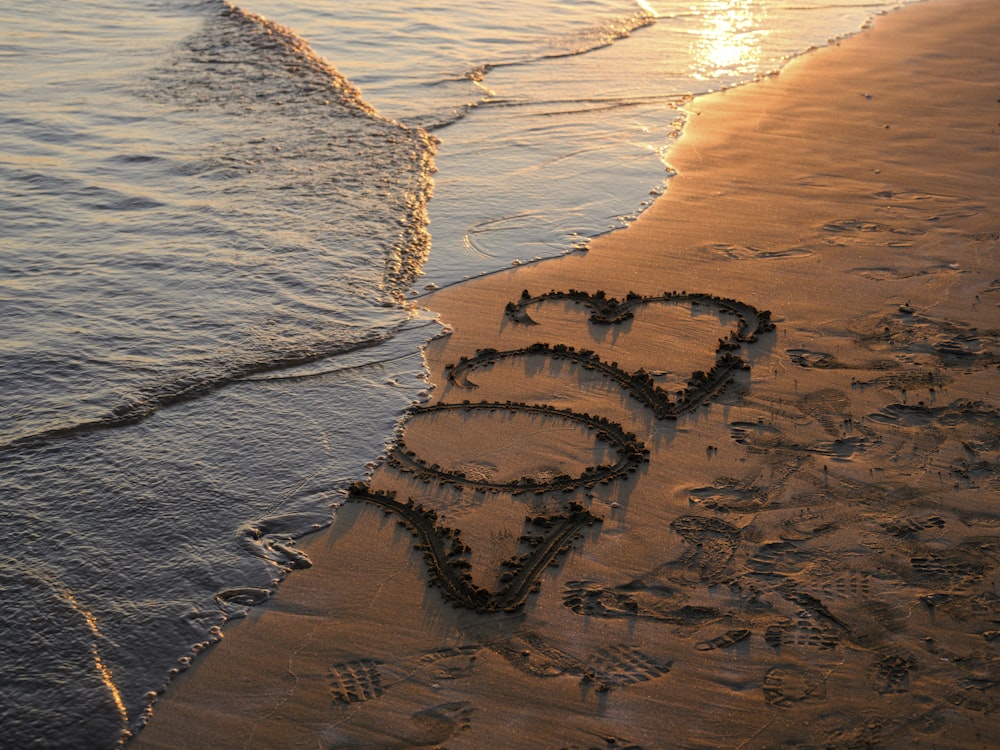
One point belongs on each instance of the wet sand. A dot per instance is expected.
(727, 479)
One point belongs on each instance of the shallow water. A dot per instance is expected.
(555, 119)
(208, 236)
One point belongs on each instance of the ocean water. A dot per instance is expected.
(214, 233)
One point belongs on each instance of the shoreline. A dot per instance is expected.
(807, 555)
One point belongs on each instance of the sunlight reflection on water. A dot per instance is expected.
(730, 40)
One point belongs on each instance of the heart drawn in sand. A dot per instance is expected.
(550, 534)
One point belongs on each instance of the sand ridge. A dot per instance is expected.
(547, 535)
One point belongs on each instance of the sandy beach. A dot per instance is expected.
(729, 478)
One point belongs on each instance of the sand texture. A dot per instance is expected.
(727, 479)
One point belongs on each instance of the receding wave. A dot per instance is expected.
(145, 404)
(247, 65)
(602, 34)
(592, 39)
(235, 40)
(281, 222)
(571, 44)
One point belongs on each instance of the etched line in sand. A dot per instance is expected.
(699, 390)
(712, 542)
(444, 552)
(631, 451)
(608, 310)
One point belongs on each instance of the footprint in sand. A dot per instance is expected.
(614, 666)
(805, 525)
(810, 359)
(729, 495)
(531, 654)
(634, 600)
(911, 527)
(891, 673)
(355, 681)
(841, 449)
(622, 665)
(749, 252)
(828, 406)
(981, 610)
(436, 725)
(604, 741)
(911, 333)
(724, 640)
(778, 559)
(785, 687)
(954, 568)
(894, 273)
(930, 207)
(450, 663)
(848, 585)
(849, 729)
(757, 434)
(856, 231)
(711, 543)
(809, 632)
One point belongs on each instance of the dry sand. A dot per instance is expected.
(806, 557)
